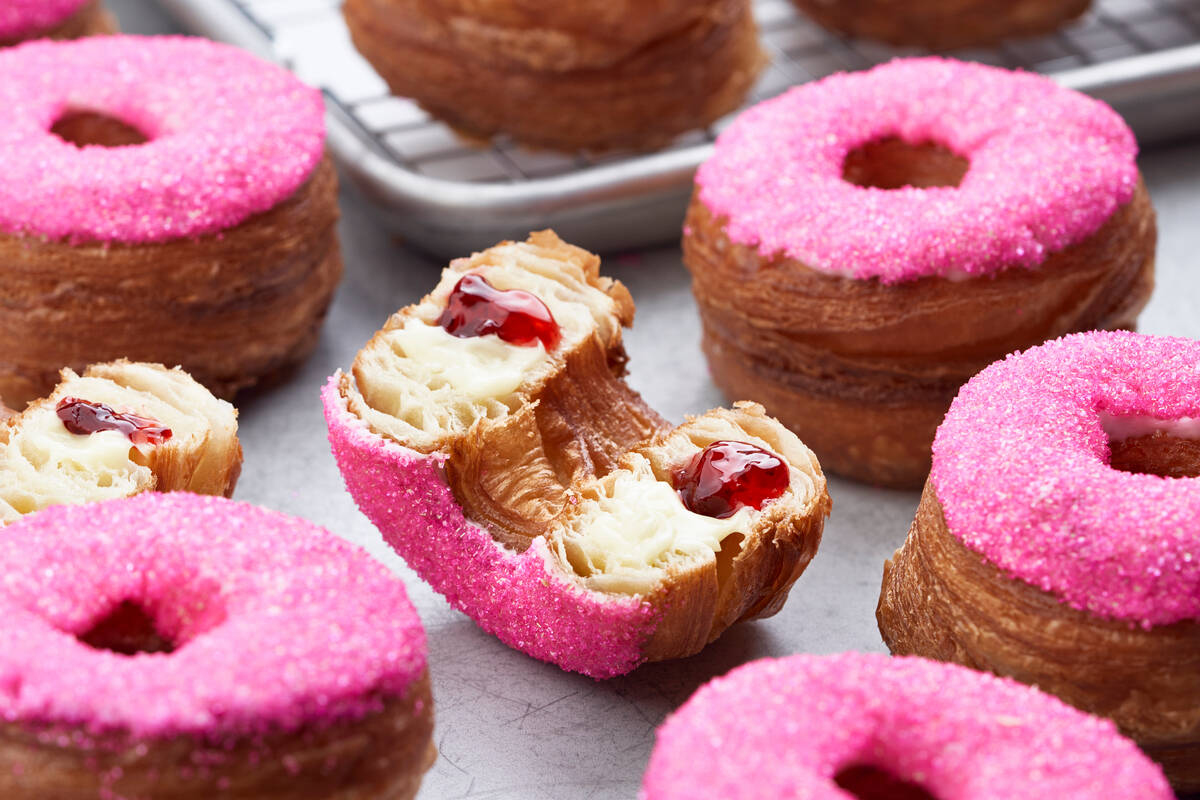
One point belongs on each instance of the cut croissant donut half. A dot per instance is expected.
(119, 429)
(489, 435)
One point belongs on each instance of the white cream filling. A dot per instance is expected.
(48, 445)
(478, 368)
(640, 525)
(1121, 428)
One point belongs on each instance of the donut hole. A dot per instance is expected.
(128, 630)
(868, 782)
(89, 128)
(892, 163)
(1158, 453)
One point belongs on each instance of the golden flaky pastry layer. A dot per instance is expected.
(381, 757)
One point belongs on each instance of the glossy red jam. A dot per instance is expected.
(84, 417)
(725, 476)
(476, 308)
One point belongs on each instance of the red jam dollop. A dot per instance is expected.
(476, 308)
(725, 476)
(83, 417)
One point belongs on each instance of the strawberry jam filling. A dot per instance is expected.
(725, 476)
(476, 308)
(84, 417)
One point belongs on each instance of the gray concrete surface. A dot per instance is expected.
(509, 727)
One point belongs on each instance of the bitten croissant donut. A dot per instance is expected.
(1057, 538)
(878, 728)
(163, 199)
(571, 74)
(943, 24)
(861, 246)
(21, 20)
(487, 433)
(119, 429)
(193, 648)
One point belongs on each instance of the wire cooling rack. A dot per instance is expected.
(449, 196)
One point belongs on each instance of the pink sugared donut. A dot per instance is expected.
(855, 725)
(858, 245)
(163, 199)
(55, 19)
(1058, 538)
(186, 646)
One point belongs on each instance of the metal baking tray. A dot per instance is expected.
(449, 197)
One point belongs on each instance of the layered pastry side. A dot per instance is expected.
(1058, 537)
(861, 246)
(943, 24)
(117, 430)
(488, 434)
(580, 74)
(23, 20)
(193, 648)
(165, 199)
(856, 726)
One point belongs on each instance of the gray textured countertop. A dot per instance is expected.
(512, 727)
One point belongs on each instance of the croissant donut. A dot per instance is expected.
(163, 199)
(21, 20)
(566, 75)
(876, 728)
(943, 24)
(861, 246)
(487, 433)
(118, 430)
(1056, 538)
(193, 648)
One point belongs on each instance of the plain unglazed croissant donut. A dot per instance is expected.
(525, 481)
(565, 75)
(1056, 539)
(943, 24)
(118, 429)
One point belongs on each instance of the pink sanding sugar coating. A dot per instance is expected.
(784, 728)
(518, 597)
(1048, 167)
(230, 136)
(278, 624)
(1020, 465)
(20, 18)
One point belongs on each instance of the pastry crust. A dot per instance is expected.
(864, 371)
(93, 19)
(587, 77)
(943, 601)
(538, 467)
(942, 24)
(41, 464)
(230, 308)
(380, 757)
